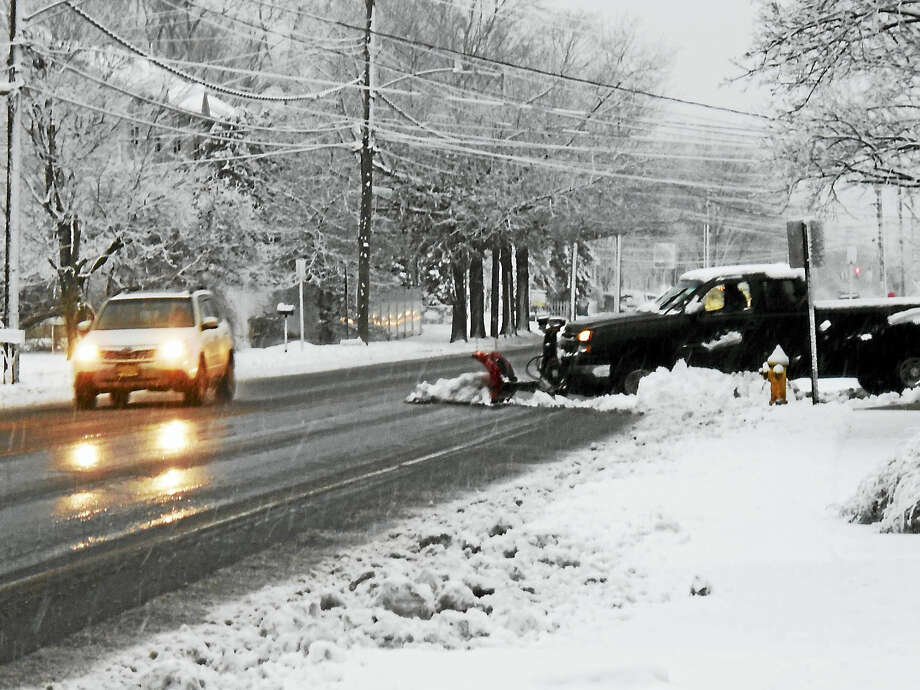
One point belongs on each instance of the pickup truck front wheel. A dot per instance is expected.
(630, 382)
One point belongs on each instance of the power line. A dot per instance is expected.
(157, 125)
(500, 101)
(246, 95)
(440, 144)
(510, 65)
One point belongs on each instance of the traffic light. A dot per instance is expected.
(857, 271)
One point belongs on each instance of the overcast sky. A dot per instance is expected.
(704, 37)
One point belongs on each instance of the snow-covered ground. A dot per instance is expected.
(47, 378)
(579, 574)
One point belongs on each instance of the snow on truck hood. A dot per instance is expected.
(609, 318)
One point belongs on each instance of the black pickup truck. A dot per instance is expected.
(731, 318)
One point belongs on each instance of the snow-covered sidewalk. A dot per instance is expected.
(579, 574)
(47, 378)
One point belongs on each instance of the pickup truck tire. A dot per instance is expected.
(907, 374)
(120, 398)
(904, 373)
(630, 383)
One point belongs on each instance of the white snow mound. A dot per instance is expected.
(680, 389)
(469, 389)
(890, 496)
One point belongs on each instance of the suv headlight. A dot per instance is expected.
(585, 335)
(86, 353)
(172, 350)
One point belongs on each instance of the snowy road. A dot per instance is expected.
(139, 501)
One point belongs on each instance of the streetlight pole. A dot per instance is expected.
(367, 179)
(13, 162)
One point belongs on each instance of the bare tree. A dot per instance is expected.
(847, 76)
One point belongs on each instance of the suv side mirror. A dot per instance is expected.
(83, 326)
(209, 322)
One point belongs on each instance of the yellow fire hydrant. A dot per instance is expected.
(774, 371)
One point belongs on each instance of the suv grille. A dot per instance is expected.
(127, 355)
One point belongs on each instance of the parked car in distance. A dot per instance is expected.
(155, 341)
(630, 300)
(730, 318)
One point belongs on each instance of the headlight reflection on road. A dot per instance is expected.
(174, 481)
(85, 455)
(79, 506)
(174, 436)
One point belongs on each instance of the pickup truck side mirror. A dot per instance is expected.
(208, 323)
(84, 326)
(693, 307)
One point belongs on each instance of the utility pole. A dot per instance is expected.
(618, 285)
(367, 179)
(13, 158)
(573, 283)
(881, 239)
(902, 290)
(706, 236)
(347, 333)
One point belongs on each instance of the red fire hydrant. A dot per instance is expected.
(774, 371)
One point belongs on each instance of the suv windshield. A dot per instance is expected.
(159, 312)
(677, 296)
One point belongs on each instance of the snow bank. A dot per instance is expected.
(46, 378)
(890, 495)
(489, 571)
(579, 575)
(686, 391)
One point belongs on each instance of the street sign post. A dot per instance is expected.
(798, 236)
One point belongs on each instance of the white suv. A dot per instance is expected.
(154, 341)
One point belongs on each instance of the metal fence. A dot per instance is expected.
(396, 314)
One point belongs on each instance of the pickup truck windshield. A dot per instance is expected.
(677, 296)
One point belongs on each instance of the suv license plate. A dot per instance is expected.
(125, 371)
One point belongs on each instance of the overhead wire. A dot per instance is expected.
(507, 64)
(247, 95)
(344, 124)
(442, 145)
(149, 123)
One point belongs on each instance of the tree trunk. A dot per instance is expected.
(68, 237)
(523, 288)
(70, 300)
(493, 292)
(477, 299)
(507, 290)
(458, 313)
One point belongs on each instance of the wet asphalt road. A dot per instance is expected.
(102, 509)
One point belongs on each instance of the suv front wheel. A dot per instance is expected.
(227, 386)
(84, 398)
(198, 389)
